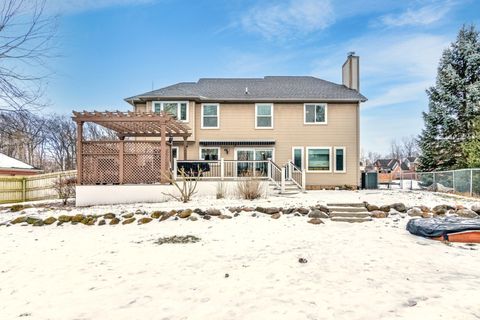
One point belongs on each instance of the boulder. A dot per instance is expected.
(288, 210)
(156, 214)
(33, 220)
(423, 208)
(224, 216)
(371, 207)
(442, 209)
(21, 219)
(114, 221)
(38, 223)
(129, 220)
(276, 215)
(192, 218)
(415, 212)
(138, 211)
(248, 209)
(272, 210)
(128, 215)
(400, 207)
(102, 222)
(384, 208)
(49, 221)
(213, 212)
(199, 211)
(315, 221)
(109, 215)
(317, 214)
(185, 213)
(206, 217)
(427, 215)
(144, 220)
(476, 208)
(78, 218)
(260, 209)
(233, 209)
(167, 215)
(65, 218)
(379, 214)
(89, 221)
(303, 210)
(467, 213)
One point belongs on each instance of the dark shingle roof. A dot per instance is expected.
(386, 164)
(274, 88)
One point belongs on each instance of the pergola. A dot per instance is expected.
(132, 161)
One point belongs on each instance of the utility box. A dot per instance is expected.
(370, 180)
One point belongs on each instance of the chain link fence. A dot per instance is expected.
(462, 181)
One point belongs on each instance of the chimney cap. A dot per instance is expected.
(351, 53)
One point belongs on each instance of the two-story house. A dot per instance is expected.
(310, 121)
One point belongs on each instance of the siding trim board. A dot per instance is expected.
(235, 143)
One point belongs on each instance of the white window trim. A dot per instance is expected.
(254, 149)
(302, 155)
(314, 123)
(256, 114)
(329, 164)
(344, 159)
(178, 107)
(200, 152)
(218, 115)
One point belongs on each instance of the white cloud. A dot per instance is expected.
(425, 15)
(74, 6)
(288, 20)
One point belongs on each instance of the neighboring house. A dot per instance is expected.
(388, 166)
(313, 122)
(13, 167)
(410, 164)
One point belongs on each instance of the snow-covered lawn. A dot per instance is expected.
(242, 268)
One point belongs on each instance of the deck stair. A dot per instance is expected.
(290, 189)
(349, 212)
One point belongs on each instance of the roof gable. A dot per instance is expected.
(7, 162)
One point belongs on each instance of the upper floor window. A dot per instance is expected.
(315, 113)
(210, 116)
(178, 109)
(263, 116)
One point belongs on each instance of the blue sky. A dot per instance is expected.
(112, 49)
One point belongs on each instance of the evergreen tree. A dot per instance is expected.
(472, 147)
(454, 103)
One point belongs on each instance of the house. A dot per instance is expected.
(410, 164)
(12, 167)
(388, 166)
(313, 122)
(299, 129)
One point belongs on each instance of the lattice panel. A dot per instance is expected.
(100, 169)
(141, 168)
(141, 147)
(101, 147)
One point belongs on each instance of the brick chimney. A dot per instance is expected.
(351, 72)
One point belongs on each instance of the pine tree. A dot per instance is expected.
(472, 147)
(454, 103)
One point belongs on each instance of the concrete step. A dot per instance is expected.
(361, 204)
(350, 219)
(347, 209)
(350, 214)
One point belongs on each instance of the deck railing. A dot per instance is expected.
(222, 169)
(296, 175)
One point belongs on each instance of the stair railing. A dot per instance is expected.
(276, 174)
(296, 175)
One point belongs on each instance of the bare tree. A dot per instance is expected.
(26, 34)
(396, 150)
(410, 146)
(62, 142)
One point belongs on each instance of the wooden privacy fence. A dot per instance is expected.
(38, 187)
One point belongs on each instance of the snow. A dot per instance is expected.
(373, 270)
(11, 163)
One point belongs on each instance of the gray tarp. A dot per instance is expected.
(437, 227)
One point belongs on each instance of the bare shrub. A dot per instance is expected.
(65, 188)
(249, 187)
(221, 190)
(187, 186)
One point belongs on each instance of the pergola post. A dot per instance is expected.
(79, 152)
(185, 147)
(121, 166)
(163, 155)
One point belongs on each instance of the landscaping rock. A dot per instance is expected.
(167, 215)
(248, 209)
(17, 207)
(129, 220)
(379, 214)
(371, 207)
(442, 209)
(89, 221)
(427, 215)
(192, 218)
(38, 223)
(78, 218)
(260, 209)
(213, 212)
(140, 212)
(185, 214)
(32, 220)
(476, 208)
(224, 216)
(303, 211)
(276, 215)
(288, 210)
(114, 221)
(206, 217)
(144, 220)
(199, 211)
(128, 215)
(109, 215)
(384, 208)
(236, 214)
(21, 219)
(467, 213)
(423, 208)
(415, 212)
(64, 218)
(315, 221)
(102, 222)
(156, 214)
(317, 214)
(272, 210)
(400, 207)
(49, 220)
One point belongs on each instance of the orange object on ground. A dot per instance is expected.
(465, 236)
